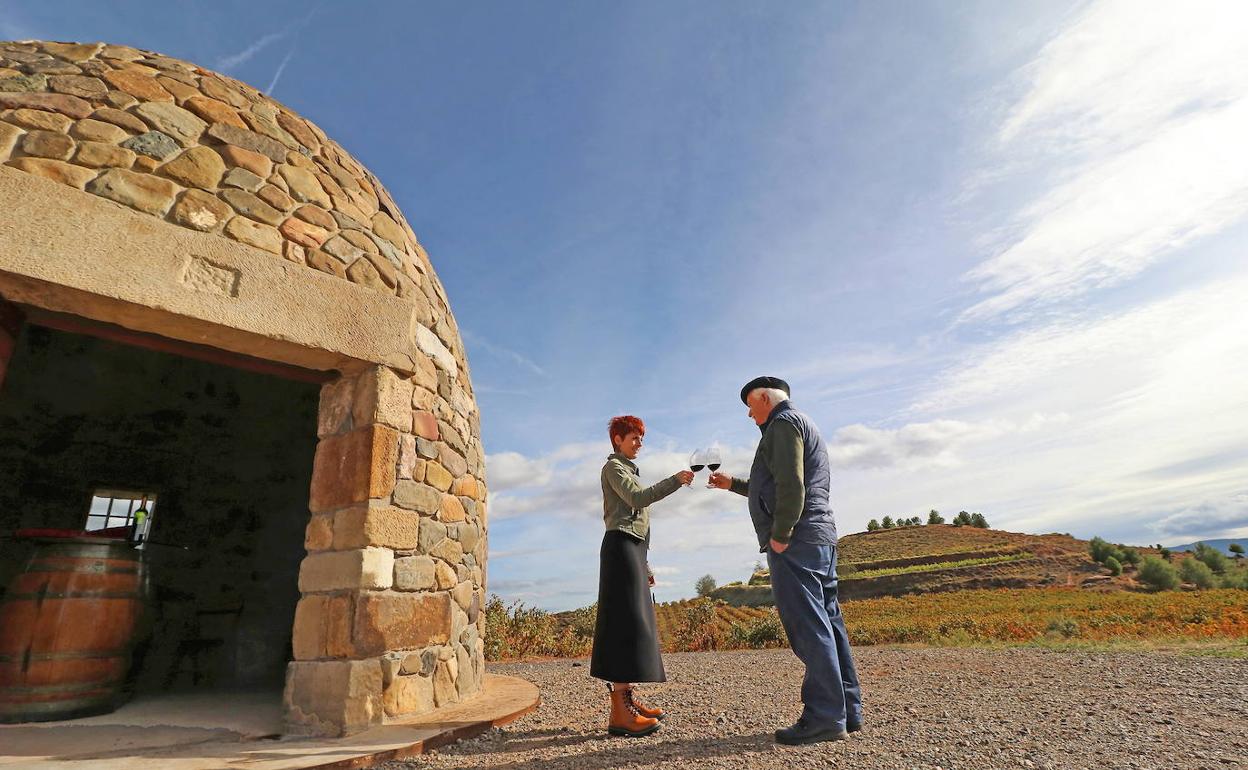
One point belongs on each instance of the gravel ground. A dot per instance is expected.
(951, 709)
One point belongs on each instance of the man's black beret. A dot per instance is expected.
(763, 382)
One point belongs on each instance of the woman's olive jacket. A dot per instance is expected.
(625, 503)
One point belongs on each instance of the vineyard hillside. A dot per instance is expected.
(940, 557)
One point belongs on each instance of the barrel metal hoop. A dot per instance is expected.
(43, 596)
(77, 655)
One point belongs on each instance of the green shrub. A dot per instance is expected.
(1236, 578)
(758, 633)
(978, 520)
(873, 525)
(517, 631)
(697, 627)
(1114, 566)
(934, 517)
(887, 522)
(1236, 549)
(1197, 573)
(1212, 558)
(704, 585)
(1158, 574)
(1131, 556)
(1064, 627)
(1102, 550)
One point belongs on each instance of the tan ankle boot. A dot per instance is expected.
(643, 709)
(624, 717)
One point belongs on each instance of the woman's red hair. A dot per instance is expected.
(623, 425)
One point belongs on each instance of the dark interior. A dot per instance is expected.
(229, 454)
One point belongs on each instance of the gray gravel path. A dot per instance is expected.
(952, 709)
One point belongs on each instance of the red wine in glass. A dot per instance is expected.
(696, 463)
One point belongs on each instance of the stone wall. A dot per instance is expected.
(391, 618)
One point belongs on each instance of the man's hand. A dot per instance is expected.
(721, 480)
(778, 547)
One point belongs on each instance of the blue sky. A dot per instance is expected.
(997, 249)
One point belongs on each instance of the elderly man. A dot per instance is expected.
(789, 489)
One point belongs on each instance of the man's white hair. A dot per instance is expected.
(773, 395)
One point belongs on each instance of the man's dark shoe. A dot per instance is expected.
(805, 732)
(853, 727)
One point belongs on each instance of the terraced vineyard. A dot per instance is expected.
(1003, 615)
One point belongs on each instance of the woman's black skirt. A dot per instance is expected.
(626, 638)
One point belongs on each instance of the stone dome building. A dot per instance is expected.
(151, 203)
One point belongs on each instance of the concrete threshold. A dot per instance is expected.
(235, 732)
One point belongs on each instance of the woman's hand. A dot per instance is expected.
(686, 477)
(721, 480)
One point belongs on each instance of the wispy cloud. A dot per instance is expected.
(477, 341)
(231, 61)
(280, 69)
(1131, 122)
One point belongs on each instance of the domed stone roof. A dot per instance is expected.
(206, 152)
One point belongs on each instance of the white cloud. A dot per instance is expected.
(1209, 519)
(1132, 120)
(509, 470)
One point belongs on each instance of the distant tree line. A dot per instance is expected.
(1206, 567)
(963, 519)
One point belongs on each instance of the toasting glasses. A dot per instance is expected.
(705, 458)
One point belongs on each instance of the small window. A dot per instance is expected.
(111, 508)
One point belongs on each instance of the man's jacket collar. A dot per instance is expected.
(783, 406)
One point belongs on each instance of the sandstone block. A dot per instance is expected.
(153, 144)
(466, 683)
(148, 194)
(304, 186)
(462, 594)
(121, 119)
(452, 461)
(382, 396)
(48, 144)
(333, 698)
(252, 207)
(213, 111)
(414, 573)
(417, 496)
(444, 691)
(409, 695)
(242, 179)
(334, 415)
(438, 477)
(39, 120)
(9, 135)
(199, 167)
(451, 510)
(239, 157)
(422, 663)
(78, 85)
(65, 104)
(316, 215)
(181, 91)
(56, 170)
(322, 627)
(319, 534)
(273, 195)
(183, 126)
(103, 155)
(256, 234)
(387, 228)
(200, 210)
(444, 576)
(432, 534)
(449, 551)
(138, 84)
(369, 568)
(387, 526)
(353, 467)
(299, 130)
(326, 264)
(398, 621)
(93, 130)
(426, 448)
(362, 272)
(469, 535)
(14, 81)
(304, 233)
(248, 140)
(222, 91)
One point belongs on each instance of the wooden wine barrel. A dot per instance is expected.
(66, 628)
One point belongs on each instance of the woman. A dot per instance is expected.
(626, 641)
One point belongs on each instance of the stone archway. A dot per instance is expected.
(151, 194)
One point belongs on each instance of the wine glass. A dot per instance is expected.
(696, 461)
(712, 459)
